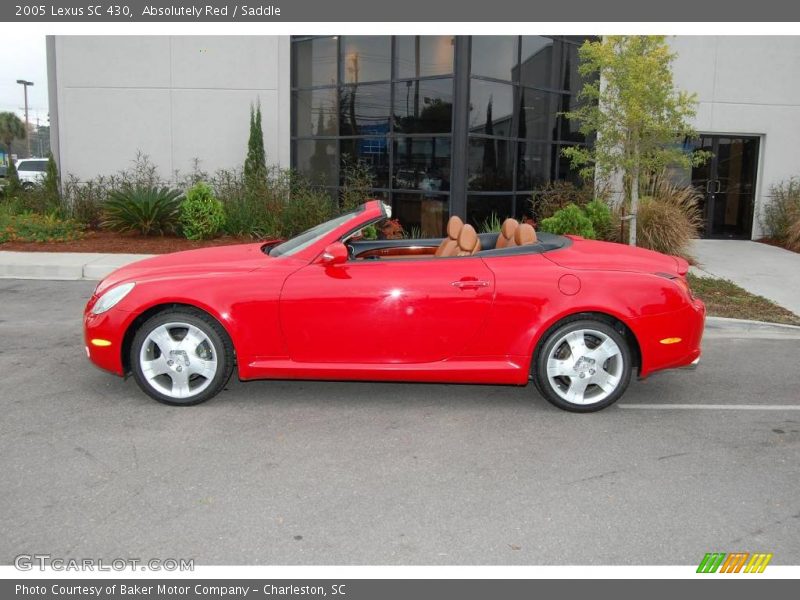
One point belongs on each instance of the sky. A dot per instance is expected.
(23, 57)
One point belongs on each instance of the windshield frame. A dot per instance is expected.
(305, 240)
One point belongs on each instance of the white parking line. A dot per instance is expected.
(713, 406)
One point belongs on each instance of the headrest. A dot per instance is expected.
(508, 228)
(525, 235)
(467, 239)
(454, 226)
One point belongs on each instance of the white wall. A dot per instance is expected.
(175, 98)
(747, 85)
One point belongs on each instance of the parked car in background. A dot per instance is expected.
(31, 170)
(577, 317)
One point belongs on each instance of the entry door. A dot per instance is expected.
(728, 181)
(385, 311)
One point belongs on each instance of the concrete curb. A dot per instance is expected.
(62, 265)
(722, 327)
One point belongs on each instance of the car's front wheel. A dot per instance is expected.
(583, 366)
(181, 357)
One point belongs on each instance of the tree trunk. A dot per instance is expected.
(634, 197)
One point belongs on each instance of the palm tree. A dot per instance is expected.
(11, 128)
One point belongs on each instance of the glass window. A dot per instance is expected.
(565, 170)
(422, 164)
(572, 79)
(491, 108)
(494, 56)
(421, 215)
(424, 55)
(534, 164)
(491, 164)
(317, 160)
(423, 106)
(480, 209)
(541, 62)
(364, 109)
(538, 114)
(315, 112)
(366, 58)
(314, 62)
(569, 129)
(373, 152)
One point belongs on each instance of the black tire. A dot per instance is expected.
(555, 338)
(221, 347)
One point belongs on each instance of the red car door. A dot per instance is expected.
(385, 311)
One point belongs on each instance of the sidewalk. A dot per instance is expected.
(62, 265)
(759, 268)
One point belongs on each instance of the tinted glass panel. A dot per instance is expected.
(490, 165)
(314, 63)
(490, 108)
(494, 56)
(538, 112)
(317, 160)
(569, 128)
(482, 208)
(424, 56)
(535, 164)
(366, 58)
(421, 215)
(565, 170)
(422, 164)
(423, 106)
(541, 62)
(373, 152)
(571, 79)
(315, 112)
(364, 109)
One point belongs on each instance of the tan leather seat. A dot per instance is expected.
(525, 235)
(468, 241)
(505, 238)
(449, 245)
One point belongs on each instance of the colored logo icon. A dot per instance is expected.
(736, 562)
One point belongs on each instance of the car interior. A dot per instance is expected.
(461, 240)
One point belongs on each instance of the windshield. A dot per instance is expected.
(308, 237)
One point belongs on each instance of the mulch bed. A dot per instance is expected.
(772, 242)
(107, 242)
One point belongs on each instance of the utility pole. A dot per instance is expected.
(25, 85)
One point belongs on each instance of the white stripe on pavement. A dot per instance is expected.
(713, 406)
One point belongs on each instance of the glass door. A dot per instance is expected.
(728, 182)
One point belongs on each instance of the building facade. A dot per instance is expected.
(466, 125)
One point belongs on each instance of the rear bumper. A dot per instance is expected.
(671, 340)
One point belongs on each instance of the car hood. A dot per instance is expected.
(191, 263)
(590, 255)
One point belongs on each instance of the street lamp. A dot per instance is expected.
(25, 85)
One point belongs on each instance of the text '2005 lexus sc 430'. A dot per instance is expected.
(574, 316)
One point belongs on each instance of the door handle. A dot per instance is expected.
(470, 284)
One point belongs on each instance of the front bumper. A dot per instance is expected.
(103, 336)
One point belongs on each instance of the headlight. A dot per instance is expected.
(111, 298)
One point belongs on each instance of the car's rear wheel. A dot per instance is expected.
(583, 366)
(181, 357)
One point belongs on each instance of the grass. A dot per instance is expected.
(724, 298)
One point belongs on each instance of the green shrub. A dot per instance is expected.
(555, 195)
(201, 214)
(569, 220)
(599, 214)
(491, 224)
(148, 210)
(357, 184)
(305, 207)
(33, 227)
(782, 210)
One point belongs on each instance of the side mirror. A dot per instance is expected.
(334, 254)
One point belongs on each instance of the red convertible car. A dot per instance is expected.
(574, 316)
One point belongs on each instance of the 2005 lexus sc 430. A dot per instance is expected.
(576, 317)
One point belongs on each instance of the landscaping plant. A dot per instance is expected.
(639, 120)
(146, 210)
(780, 216)
(569, 220)
(33, 227)
(201, 214)
(357, 184)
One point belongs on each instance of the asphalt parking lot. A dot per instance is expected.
(361, 473)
